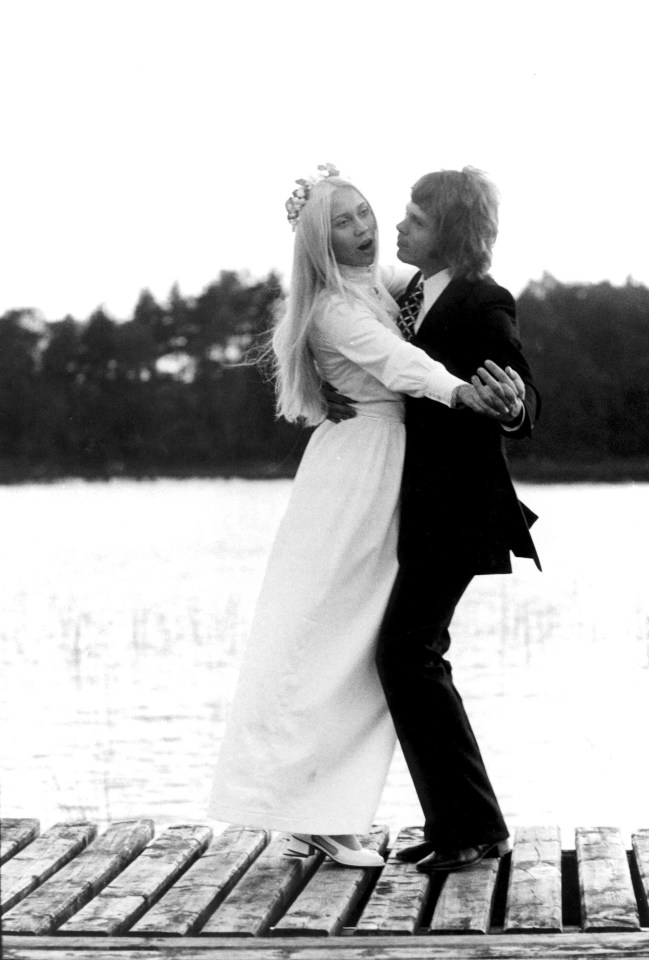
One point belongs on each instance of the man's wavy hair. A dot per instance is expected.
(463, 205)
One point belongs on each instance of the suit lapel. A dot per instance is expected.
(449, 300)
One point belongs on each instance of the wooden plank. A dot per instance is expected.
(41, 859)
(184, 908)
(79, 881)
(465, 903)
(329, 899)
(640, 844)
(16, 834)
(605, 887)
(130, 894)
(567, 946)
(399, 897)
(261, 895)
(534, 889)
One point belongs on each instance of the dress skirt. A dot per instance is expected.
(310, 738)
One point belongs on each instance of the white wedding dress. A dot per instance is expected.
(310, 738)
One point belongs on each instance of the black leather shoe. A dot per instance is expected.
(416, 852)
(454, 861)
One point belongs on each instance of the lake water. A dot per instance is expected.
(125, 605)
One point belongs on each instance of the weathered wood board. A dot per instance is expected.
(42, 858)
(465, 903)
(187, 905)
(16, 834)
(123, 901)
(125, 896)
(262, 894)
(567, 946)
(534, 889)
(397, 901)
(79, 881)
(607, 897)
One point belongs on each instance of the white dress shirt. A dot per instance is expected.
(433, 288)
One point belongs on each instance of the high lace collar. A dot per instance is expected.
(363, 277)
(368, 283)
(364, 274)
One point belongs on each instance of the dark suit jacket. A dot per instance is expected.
(458, 500)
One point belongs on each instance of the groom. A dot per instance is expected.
(460, 516)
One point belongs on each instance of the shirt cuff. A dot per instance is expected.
(443, 387)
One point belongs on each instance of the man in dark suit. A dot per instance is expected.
(460, 515)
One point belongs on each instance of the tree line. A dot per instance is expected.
(166, 392)
(588, 345)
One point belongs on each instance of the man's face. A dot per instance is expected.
(416, 240)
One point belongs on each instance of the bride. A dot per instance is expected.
(310, 737)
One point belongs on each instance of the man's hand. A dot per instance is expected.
(339, 407)
(501, 391)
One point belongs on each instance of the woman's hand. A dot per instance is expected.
(467, 396)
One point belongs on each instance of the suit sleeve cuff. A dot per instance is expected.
(514, 424)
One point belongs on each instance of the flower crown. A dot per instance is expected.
(301, 194)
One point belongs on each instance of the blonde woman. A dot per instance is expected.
(310, 737)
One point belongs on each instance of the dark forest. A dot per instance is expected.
(165, 393)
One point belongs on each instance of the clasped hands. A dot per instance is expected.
(493, 392)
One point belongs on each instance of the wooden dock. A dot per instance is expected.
(71, 894)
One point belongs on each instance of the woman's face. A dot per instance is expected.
(353, 228)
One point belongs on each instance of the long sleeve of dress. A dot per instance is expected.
(395, 277)
(355, 333)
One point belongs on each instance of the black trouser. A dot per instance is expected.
(459, 804)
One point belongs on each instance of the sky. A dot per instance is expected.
(153, 142)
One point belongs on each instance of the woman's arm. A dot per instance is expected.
(355, 333)
(396, 277)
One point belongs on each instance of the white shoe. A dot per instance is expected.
(304, 844)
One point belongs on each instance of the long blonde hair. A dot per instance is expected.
(315, 274)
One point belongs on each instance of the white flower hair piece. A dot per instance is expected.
(301, 194)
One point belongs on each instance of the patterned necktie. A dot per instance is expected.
(410, 311)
